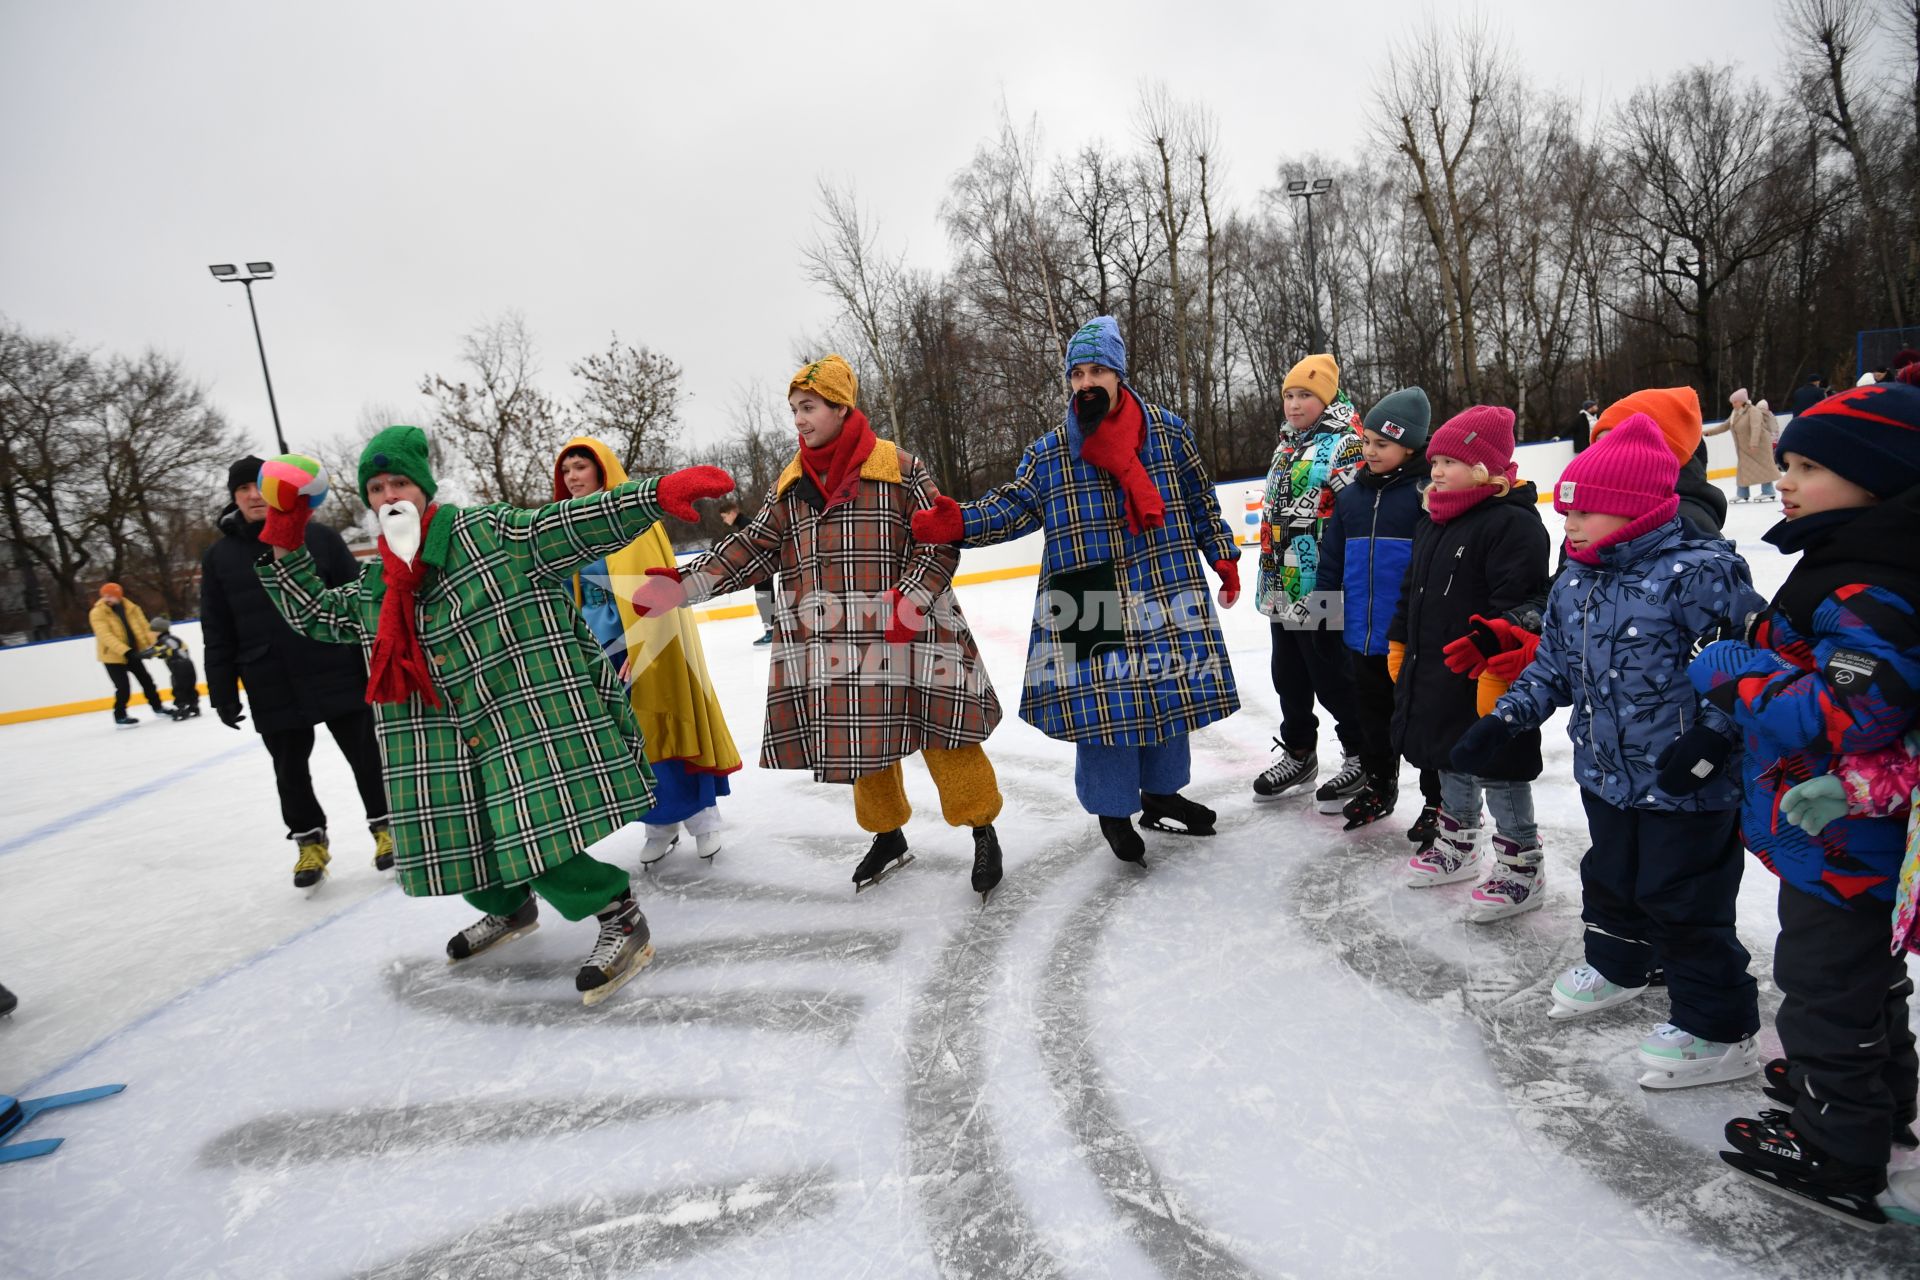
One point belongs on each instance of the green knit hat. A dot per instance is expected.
(398, 451)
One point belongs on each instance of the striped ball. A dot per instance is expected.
(291, 478)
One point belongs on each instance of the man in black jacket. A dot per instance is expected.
(1808, 394)
(292, 683)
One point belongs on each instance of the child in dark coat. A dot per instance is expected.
(1482, 551)
(1364, 552)
(172, 650)
(1832, 668)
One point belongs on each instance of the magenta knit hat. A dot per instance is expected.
(1482, 433)
(1630, 471)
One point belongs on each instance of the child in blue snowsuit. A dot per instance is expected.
(1659, 881)
(1364, 552)
(1832, 667)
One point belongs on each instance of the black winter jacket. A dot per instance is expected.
(1486, 561)
(292, 682)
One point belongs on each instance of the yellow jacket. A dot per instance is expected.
(109, 640)
(672, 695)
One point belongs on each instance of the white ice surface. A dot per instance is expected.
(1260, 1057)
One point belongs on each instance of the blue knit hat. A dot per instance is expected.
(1403, 416)
(1098, 342)
(1869, 435)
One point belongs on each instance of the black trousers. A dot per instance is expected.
(1373, 720)
(1309, 664)
(117, 672)
(1843, 1022)
(186, 682)
(299, 807)
(1658, 888)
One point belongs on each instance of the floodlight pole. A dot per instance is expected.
(273, 407)
(1307, 191)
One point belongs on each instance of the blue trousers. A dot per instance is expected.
(1661, 884)
(1109, 780)
(679, 792)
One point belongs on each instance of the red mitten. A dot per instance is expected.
(1468, 655)
(678, 491)
(940, 523)
(286, 529)
(906, 621)
(660, 592)
(292, 485)
(1508, 664)
(1463, 657)
(1229, 571)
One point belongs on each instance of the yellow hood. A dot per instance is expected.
(611, 472)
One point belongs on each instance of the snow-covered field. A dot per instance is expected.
(1259, 1057)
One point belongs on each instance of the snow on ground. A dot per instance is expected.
(1260, 1057)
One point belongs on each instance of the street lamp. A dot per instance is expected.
(227, 273)
(1301, 189)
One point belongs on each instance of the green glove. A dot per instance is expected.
(1814, 803)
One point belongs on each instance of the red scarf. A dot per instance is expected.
(834, 467)
(1445, 504)
(398, 667)
(1115, 449)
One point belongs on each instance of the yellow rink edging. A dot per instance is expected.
(721, 614)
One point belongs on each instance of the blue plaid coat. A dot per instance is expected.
(1171, 675)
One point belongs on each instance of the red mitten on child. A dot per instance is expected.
(941, 523)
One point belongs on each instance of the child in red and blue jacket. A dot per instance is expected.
(1832, 668)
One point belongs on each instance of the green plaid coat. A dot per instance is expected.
(533, 753)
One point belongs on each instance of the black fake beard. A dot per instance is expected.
(1090, 408)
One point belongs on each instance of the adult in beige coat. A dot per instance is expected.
(1754, 430)
(121, 637)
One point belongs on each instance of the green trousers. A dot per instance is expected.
(577, 888)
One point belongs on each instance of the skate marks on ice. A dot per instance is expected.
(617, 1236)
(1157, 1216)
(431, 988)
(285, 1139)
(1569, 1081)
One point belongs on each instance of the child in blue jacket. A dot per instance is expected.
(1832, 668)
(1364, 552)
(1659, 881)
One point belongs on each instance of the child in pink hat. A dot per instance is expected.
(1649, 754)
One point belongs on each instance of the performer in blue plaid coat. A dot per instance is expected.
(1125, 658)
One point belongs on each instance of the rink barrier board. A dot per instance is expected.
(1240, 503)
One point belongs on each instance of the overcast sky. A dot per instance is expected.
(414, 169)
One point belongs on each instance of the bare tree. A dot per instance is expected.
(631, 400)
(846, 261)
(500, 426)
(49, 393)
(1168, 130)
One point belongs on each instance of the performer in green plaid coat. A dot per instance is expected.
(1126, 658)
(508, 746)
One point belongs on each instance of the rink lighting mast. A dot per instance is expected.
(227, 273)
(1301, 189)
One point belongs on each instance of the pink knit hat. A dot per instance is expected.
(1629, 472)
(1482, 433)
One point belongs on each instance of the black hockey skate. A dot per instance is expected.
(1343, 786)
(886, 855)
(310, 865)
(1374, 802)
(624, 948)
(1770, 1152)
(1175, 814)
(491, 931)
(382, 847)
(986, 861)
(1124, 840)
(1285, 774)
(8, 1002)
(1775, 1083)
(1426, 826)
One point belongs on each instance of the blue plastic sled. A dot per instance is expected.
(16, 1114)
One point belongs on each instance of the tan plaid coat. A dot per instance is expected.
(841, 700)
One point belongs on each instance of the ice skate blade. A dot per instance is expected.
(1494, 913)
(640, 961)
(860, 886)
(1564, 1009)
(1428, 880)
(1692, 1076)
(1335, 806)
(1868, 1218)
(1159, 824)
(500, 941)
(707, 856)
(672, 844)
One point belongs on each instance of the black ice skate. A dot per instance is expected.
(122, 720)
(1343, 786)
(1175, 814)
(310, 866)
(886, 855)
(1772, 1153)
(8, 1002)
(491, 931)
(1775, 1083)
(1426, 826)
(624, 948)
(1374, 802)
(1124, 840)
(986, 861)
(1287, 773)
(382, 846)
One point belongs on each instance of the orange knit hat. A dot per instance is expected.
(110, 591)
(1675, 410)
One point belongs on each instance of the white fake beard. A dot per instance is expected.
(400, 526)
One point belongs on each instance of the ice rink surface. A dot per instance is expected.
(1259, 1057)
